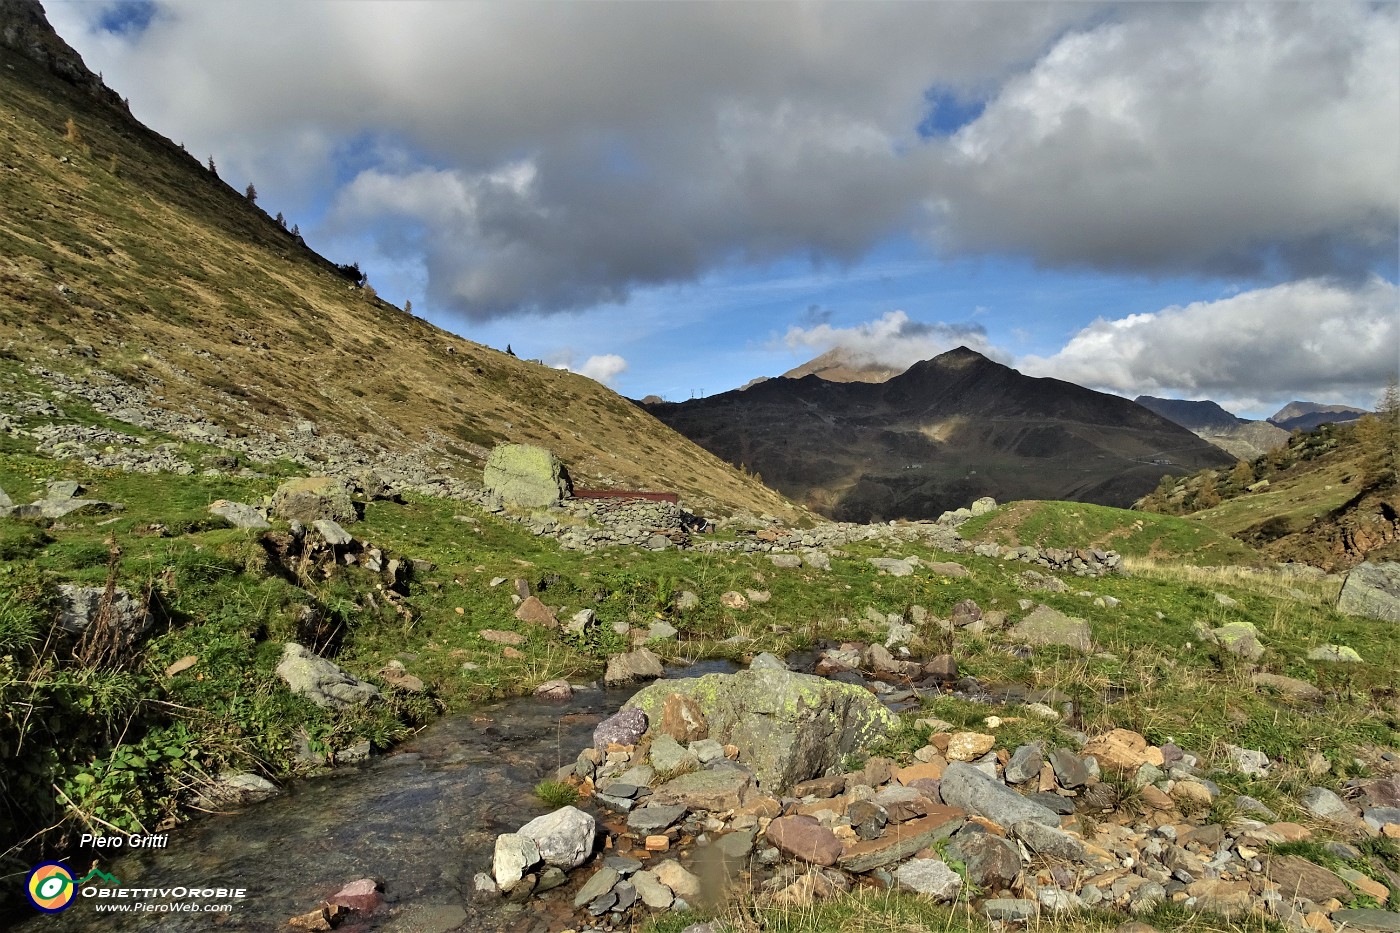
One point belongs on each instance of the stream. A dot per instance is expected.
(421, 820)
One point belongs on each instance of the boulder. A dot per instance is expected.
(893, 566)
(526, 476)
(1240, 639)
(238, 514)
(236, 789)
(514, 855)
(310, 498)
(967, 788)
(564, 837)
(78, 606)
(787, 726)
(641, 664)
(1046, 626)
(1372, 590)
(624, 727)
(321, 681)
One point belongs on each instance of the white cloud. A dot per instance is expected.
(1192, 137)
(892, 340)
(1315, 337)
(603, 367)
(553, 157)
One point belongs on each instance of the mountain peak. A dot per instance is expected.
(838, 365)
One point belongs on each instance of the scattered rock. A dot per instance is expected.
(321, 681)
(564, 837)
(1337, 654)
(929, 877)
(536, 613)
(624, 727)
(80, 606)
(804, 838)
(238, 514)
(641, 664)
(968, 788)
(891, 565)
(1046, 626)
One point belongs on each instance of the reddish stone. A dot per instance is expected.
(804, 838)
(683, 720)
(362, 895)
(536, 612)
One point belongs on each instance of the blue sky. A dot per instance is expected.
(1188, 200)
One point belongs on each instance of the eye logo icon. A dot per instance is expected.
(50, 887)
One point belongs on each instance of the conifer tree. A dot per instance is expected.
(212, 169)
(251, 193)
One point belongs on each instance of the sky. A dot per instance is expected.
(1188, 200)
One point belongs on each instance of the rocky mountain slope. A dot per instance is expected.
(1243, 438)
(123, 255)
(937, 436)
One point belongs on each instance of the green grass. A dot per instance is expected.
(1080, 524)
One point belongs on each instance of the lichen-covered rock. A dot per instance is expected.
(321, 681)
(527, 476)
(788, 727)
(308, 499)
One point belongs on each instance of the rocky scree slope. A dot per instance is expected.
(122, 255)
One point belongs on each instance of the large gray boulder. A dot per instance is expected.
(564, 837)
(321, 681)
(1372, 590)
(526, 476)
(309, 499)
(788, 727)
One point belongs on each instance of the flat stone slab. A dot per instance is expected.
(902, 840)
(1370, 920)
(719, 789)
(654, 819)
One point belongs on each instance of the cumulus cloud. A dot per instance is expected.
(893, 340)
(547, 158)
(1233, 137)
(603, 367)
(1315, 336)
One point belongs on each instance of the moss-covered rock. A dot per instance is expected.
(314, 498)
(788, 727)
(526, 476)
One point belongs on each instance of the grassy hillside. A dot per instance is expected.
(119, 251)
(1320, 500)
(1135, 534)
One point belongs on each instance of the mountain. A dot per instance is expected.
(1304, 416)
(937, 436)
(836, 365)
(123, 255)
(1241, 437)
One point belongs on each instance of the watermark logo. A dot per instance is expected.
(50, 887)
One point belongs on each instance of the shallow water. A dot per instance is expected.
(422, 821)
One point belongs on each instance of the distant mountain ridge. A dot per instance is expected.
(1241, 437)
(1304, 416)
(940, 434)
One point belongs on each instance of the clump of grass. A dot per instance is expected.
(556, 793)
